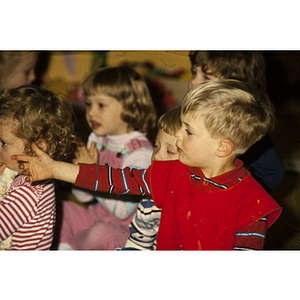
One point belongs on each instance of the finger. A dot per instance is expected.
(21, 157)
(36, 149)
(26, 172)
(2, 168)
(93, 152)
(79, 142)
(21, 166)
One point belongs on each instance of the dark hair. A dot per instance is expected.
(40, 115)
(246, 66)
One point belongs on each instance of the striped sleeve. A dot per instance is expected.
(15, 210)
(144, 226)
(251, 237)
(114, 181)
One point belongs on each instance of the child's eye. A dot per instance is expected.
(87, 104)
(101, 105)
(188, 132)
(27, 73)
(3, 144)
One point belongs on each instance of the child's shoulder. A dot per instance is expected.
(171, 166)
(36, 188)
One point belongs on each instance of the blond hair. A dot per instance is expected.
(170, 121)
(130, 89)
(231, 109)
(39, 115)
(246, 66)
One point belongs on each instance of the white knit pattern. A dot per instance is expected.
(6, 179)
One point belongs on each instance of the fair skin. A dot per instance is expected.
(198, 76)
(43, 166)
(103, 114)
(10, 144)
(197, 148)
(194, 144)
(164, 147)
(22, 74)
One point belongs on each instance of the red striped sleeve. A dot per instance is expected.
(252, 237)
(110, 180)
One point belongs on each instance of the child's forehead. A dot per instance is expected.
(164, 137)
(8, 126)
(191, 116)
(8, 121)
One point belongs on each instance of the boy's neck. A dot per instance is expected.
(219, 169)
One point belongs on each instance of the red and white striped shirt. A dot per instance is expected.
(27, 213)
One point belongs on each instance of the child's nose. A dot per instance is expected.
(156, 155)
(32, 76)
(91, 111)
(178, 134)
(191, 83)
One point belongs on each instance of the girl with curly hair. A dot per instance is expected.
(27, 210)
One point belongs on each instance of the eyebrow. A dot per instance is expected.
(186, 124)
(172, 145)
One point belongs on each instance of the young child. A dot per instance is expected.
(27, 210)
(119, 111)
(145, 223)
(17, 68)
(262, 158)
(208, 200)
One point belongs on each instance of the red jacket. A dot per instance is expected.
(197, 214)
(201, 218)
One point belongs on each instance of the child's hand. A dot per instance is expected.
(39, 167)
(85, 156)
(2, 168)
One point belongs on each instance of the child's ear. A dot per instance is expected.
(42, 144)
(225, 148)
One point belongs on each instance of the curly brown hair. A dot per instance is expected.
(40, 115)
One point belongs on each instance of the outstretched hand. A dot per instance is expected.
(39, 167)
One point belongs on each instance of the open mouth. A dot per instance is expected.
(95, 125)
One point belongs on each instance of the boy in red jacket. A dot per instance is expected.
(208, 199)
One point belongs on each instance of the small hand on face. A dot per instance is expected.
(39, 167)
(2, 168)
(85, 156)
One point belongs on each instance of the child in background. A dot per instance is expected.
(208, 200)
(27, 210)
(17, 68)
(262, 158)
(145, 223)
(119, 110)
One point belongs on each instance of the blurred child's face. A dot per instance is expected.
(23, 73)
(195, 146)
(164, 147)
(103, 114)
(10, 144)
(198, 76)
